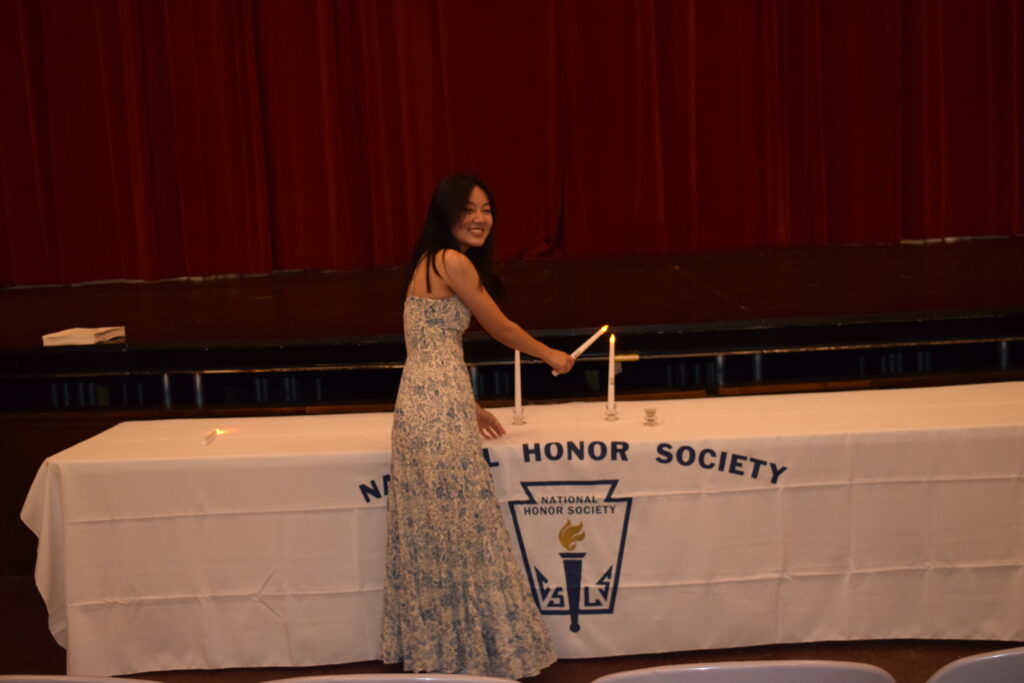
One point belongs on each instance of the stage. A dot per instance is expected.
(715, 323)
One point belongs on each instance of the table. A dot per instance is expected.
(732, 522)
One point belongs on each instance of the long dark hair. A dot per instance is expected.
(447, 206)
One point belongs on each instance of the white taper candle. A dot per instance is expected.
(611, 372)
(518, 385)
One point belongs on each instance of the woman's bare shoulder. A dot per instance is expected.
(452, 257)
(443, 265)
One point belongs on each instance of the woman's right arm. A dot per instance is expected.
(461, 277)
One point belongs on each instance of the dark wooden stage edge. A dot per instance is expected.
(714, 323)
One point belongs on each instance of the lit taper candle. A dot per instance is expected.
(611, 372)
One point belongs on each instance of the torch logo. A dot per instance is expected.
(572, 535)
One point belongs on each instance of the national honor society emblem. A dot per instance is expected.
(572, 535)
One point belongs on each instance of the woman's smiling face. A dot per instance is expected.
(475, 225)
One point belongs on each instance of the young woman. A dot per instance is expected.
(456, 599)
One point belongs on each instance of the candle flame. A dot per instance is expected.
(570, 535)
(211, 436)
(613, 337)
(604, 329)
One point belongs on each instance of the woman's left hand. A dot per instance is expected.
(490, 427)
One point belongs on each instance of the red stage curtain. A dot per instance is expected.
(136, 144)
(161, 138)
(369, 104)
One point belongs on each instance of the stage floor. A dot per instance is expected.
(979, 278)
(702, 322)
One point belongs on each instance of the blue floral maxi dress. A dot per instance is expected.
(456, 599)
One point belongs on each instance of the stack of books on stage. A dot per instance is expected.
(77, 336)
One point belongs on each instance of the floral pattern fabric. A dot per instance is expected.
(456, 599)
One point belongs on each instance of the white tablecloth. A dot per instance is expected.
(733, 522)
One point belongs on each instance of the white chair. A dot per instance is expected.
(1002, 666)
(791, 671)
(393, 678)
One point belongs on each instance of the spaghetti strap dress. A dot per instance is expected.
(456, 599)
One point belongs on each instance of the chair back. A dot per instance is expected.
(1001, 666)
(393, 678)
(791, 671)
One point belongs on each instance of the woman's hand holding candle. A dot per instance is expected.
(586, 345)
